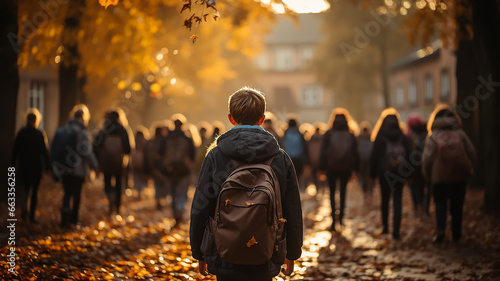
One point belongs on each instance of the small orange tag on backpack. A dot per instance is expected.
(251, 242)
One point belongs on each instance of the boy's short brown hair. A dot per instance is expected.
(247, 106)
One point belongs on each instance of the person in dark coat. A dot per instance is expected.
(249, 143)
(389, 154)
(30, 156)
(177, 154)
(111, 144)
(314, 149)
(417, 133)
(339, 158)
(365, 145)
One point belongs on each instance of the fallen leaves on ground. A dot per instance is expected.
(143, 244)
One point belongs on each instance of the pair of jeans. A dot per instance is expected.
(178, 191)
(114, 193)
(454, 194)
(332, 182)
(394, 188)
(72, 192)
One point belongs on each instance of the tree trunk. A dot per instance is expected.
(70, 83)
(486, 28)
(467, 73)
(383, 67)
(9, 77)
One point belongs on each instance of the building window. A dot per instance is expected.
(306, 56)
(400, 95)
(262, 61)
(412, 93)
(36, 96)
(285, 59)
(312, 96)
(445, 85)
(429, 93)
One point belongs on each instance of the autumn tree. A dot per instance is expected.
(138, 54)
(361, 40)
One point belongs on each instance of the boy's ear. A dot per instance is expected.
(261, 120)
(231, 119)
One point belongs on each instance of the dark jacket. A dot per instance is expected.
(379, 149)
(325, 147)
(113, 128)
(252, 145)
(30, 154)
(179, 133)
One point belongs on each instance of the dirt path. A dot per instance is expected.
(142, 244)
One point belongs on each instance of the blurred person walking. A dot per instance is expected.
(137, 160)
(204, 129)
(112, 143)
(178, 158)
(295, 146)
(339, 158)
(153, 162)
(314, 148)
(30, 156)
(365, 146)
(417, 133)
(390, 152)
(447, 163)
(73, 154)
(268, 125)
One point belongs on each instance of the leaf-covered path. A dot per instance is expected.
(142, 244)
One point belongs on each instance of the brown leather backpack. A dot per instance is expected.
(248, 226)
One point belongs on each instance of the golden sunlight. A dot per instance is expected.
(300, 6)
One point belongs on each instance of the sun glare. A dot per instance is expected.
(300, 6)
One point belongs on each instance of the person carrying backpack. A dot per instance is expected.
(390, 152)
(72, 154)
(295, 146)
(246, 216)
(30, 156)
(111, 144)
(447, 163)
(339, 158)
(177, 154)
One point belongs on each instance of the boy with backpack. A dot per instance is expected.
(246, 216)
(447, 163)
